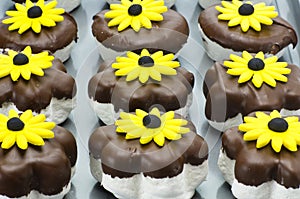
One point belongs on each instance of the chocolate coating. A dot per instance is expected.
(171, 92)
(256, 166)
(169, 35)
(225, 97)
(36, 93)
(124, 158)
(52, 39)
(271, 39)
(46, 169)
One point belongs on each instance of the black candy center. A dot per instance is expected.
(278, 125)
(20, 59)
(15, 124)
(246, 9)
(256, 64)
(135, 10)
(34, 12)
(151, 121)
(146, 61)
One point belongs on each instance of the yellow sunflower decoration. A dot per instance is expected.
(246, 14)
(145, 65)
(151, 126)
(34, 15)
(272, 128)
(24, 129)
(24, 63)
(135, 13)
(259, 68)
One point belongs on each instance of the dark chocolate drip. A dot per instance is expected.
(52, 39)
(169, 35)
(171, 93)
(225, 97)
(46, 169)
(257, 166)
(36, 93)
(124, 158)
(271, 39)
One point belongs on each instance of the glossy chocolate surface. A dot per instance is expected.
(52, 39)
(169, 35)
(256, 166)
(170, 93)
(36, 93)
(46, 169)
(271, 39)
(125, 158)
(225, 97)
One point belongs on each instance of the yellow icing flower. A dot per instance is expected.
(136, 13)
(34, 15)
(24, 63)
(272, 128)
(259, 68)
(145, 65)
(246, 14)
(24, 129)
(151, 126)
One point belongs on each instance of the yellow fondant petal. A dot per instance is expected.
(277, 143)
(37, 119)
(253, 134)
(25, 74)
(34, 139)
(257, 80)
(153, 16)
(15, 74)
(263, 140)
(271, 60)
(136, 24)
(290, 143)
(145, 140)
(254, 23)
(275, 114)
(12, 113)
(245, 24)
(8, 141)
(246, 76)
(145, 52)
(26, 116)
(21, 141)
(144, 76)
(124, 23)
(133, 74)
(154, 74)
(159, 139)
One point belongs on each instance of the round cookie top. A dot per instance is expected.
(37, 26)
(44, 164)
(124, 152)
(233, 87)
(153, 78)
(24, 76)
(266, 148)
(168, 34)
(269, 38)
